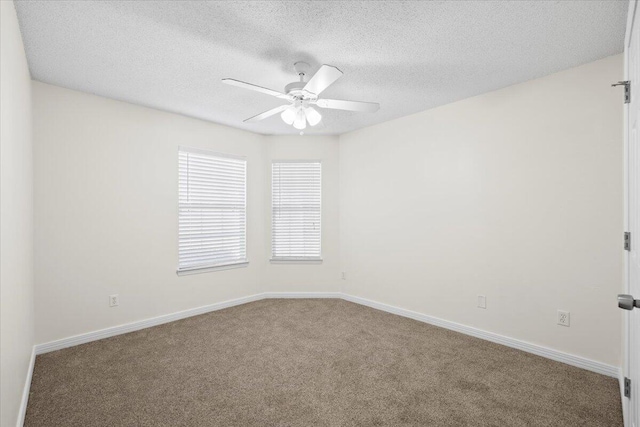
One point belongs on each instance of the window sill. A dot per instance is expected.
(296, 260)
(198, 270)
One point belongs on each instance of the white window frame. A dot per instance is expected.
(296, 260)
(181, 271)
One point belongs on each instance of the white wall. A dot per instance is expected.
(106, 212)
(515, 194)
(16, 217)
(323, 277)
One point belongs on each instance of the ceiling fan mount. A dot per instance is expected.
(303, 95)
(302, 68)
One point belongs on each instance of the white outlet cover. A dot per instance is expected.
(482, 301)
(564, 318)
(114, 300)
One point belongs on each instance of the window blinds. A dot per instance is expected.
(211, 210)
(296, 210)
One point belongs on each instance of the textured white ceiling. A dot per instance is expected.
(408, 56)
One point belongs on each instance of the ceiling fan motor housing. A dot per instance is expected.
(296, 89)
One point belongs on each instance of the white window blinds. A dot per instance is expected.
(296, 210)
(212, 210)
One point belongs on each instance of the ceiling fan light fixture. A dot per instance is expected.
(313, 117)
(302, 94)
(301, 121)
(289, 115)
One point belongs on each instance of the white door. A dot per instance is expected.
(632, 317)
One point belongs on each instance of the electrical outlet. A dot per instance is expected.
(344, 275)
(564, 318)
(482, 301)
(114, 300)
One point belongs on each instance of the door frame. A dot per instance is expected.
(633, 4)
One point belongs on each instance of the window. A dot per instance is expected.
(212, 211)
(296, 210)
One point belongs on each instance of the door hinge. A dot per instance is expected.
(627, 90)
(627, 241)
(627, 387)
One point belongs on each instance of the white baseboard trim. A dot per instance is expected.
(559, 356)
(570, 359)
(141, 324)
(290, 295)
(22, 412)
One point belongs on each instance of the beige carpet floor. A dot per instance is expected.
(311, 363)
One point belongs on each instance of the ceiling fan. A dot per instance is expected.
(302, 96)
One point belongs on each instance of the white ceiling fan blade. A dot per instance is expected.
(338, 104)
(326, 75)
(244, 85)
(266, 114)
